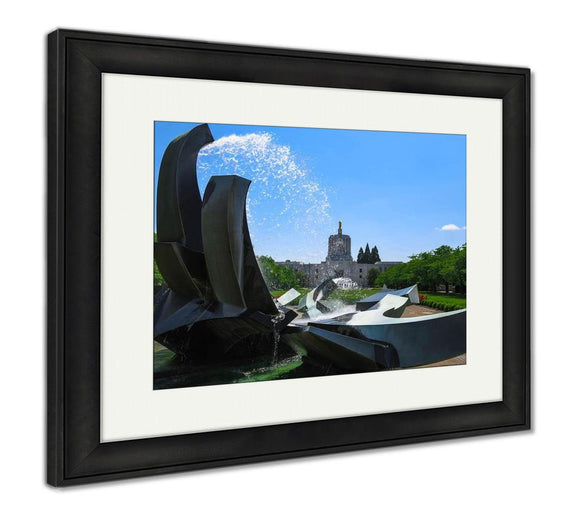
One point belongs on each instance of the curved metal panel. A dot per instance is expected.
(178, 197)
(232, 268)
(346, 352)
(311, 304)
(179, 247)
(418, 340)
(411, 292)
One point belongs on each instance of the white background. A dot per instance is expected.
(536, 468)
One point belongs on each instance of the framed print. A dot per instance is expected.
(259, 253)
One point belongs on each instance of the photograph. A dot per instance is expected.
(292, 252)
(339, 245)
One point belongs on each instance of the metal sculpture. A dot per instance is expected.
(387, 308)
(288, 297)
(179, 250)
(179, 246)
(216, 294)
(411, 292)
(346, 352)
(417, 340)
(232, 268)
(312, 304)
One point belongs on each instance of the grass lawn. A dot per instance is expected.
(458, 300)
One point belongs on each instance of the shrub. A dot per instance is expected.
(445, 307)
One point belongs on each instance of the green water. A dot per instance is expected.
(170, 372)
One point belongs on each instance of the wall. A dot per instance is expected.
(316, 273)
(491, 472)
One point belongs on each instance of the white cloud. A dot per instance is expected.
(450, 226)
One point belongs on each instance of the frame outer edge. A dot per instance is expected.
(54, 258)
(281, 456)
(516, 275)
(527, 247)
(168, 42)
(57, 278)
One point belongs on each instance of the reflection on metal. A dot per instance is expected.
(345, 283)
(183, 269)
(287, 297)
(346, 352)
(411, 292)
(389, 307)
(231, 264)
(178, 197)
(179, 249)
(312, 304)
(418, 340)
(186, 315)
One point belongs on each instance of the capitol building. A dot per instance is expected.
(338, 264)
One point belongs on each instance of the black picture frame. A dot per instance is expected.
(75, 63)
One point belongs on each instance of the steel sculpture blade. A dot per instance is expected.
(418, 340)
(179, 246)
(411, 292)
(178, 197)
(312, 303)
(390, 306)
(346, 352)
(387, 308)
(232, 267)
(287, 297)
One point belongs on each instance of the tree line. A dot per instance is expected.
(277, 276)
(368, 256)
(443, 266)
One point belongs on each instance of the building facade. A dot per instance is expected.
(338, 264)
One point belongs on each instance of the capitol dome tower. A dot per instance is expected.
(339, 247)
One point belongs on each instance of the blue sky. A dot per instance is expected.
(403, 192)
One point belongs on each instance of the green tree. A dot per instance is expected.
(375, 257)
(302, 278)
(442, 266)
(276, 276)
(384, 278)
(460, 261)
(367, 255)
(372, 276)
(360, 255)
